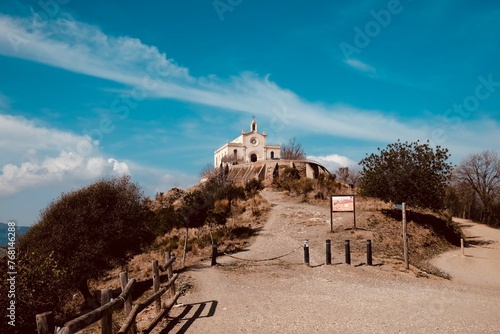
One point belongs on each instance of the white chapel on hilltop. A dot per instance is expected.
(248, 147)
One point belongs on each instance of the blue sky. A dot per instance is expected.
(98, 88)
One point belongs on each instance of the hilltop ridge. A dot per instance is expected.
(20, 230)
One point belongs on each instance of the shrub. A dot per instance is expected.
(90, 230)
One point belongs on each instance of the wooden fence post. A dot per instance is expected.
(170, 273)
(45, 323)
(127, 306)
(156, 284)
(462, 246)
(405, 238)
(107, 320)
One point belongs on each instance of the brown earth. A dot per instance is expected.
(248, 293)
(480, 263)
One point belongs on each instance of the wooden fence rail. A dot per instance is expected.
(45, 322)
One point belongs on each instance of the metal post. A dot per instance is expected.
(328, 252)
(214, 254)
(347, 252)
(369, 252)
(306, 252)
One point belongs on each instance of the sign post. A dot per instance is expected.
(405, 238)
(342, 203)
(402, 207)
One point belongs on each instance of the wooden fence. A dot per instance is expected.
(45, 321)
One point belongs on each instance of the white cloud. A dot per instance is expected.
(83, 48)
(360, 66)
(79, 47)
(333, 162)
(32, 156)
(119, 167)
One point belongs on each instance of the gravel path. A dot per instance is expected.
(286, 296)
(480, 264)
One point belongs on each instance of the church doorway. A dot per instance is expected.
(253, 157)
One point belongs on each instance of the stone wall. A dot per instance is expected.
(268, 169)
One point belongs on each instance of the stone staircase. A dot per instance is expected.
(243, 173)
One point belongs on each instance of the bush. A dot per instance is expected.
(41, 286)
(89, 231)
(407, 172)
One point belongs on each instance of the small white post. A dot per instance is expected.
(462, 246)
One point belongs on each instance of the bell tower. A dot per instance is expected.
(253, 125)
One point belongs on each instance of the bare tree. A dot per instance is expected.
(348, 175)
(482, 173)
(293, 150)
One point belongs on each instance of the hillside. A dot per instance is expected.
(20, 230)
(282, 295)
(277, 224)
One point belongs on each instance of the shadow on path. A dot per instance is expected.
(190, 314)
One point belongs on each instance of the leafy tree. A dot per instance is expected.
(199, 206)
(481, 173)
(41, 286)
(407, 172)
(163, 220)
(91, 230)
(293, 150)
(461, 200)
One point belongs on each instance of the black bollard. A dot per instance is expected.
(347, 252)
(369, 252)
(328, 251)
(306, 252)
(214, 254)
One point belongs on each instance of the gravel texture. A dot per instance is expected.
(287, 296)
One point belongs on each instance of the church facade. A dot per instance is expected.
(249, 147)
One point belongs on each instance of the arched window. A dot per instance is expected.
(272, 155)
(235, 152)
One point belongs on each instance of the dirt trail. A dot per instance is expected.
(481, 263)
(285, 296)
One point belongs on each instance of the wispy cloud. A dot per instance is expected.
(82, 48)
(361, 66)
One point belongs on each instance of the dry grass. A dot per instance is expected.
(430, 234)
(239, 231)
